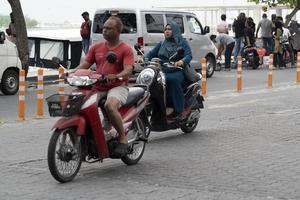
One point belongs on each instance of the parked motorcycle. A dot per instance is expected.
(79, 136)
(288, 55)
(251, 56)
(158, 115)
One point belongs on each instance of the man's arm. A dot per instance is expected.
(123, 74)
(127, 71)
(220, 50)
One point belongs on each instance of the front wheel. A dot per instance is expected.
(64, 155)
(211, 66)
(10, 82)
(136, 145)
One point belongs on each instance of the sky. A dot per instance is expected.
(59, 11)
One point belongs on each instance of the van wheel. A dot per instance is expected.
(10, 82)
(211, 66)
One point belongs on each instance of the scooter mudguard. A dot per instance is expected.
(75, 121)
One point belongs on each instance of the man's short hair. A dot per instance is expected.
(85, 13)
(223, 17)
(264, 15)
(119, 24)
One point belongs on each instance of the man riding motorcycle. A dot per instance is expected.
(116, 89)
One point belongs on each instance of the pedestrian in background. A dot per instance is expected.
(239, 28)
(278, 51)
(266, 33)
(11, 30)
(224, 41)
(249, 32)
(222, 27)
(85, 31)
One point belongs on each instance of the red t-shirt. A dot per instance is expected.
(85, 30)
(97, 54)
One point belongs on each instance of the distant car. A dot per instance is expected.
(10, 65)
(145, 27)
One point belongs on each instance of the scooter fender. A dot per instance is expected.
(75, 121)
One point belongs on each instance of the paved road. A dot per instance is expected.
(245, 147)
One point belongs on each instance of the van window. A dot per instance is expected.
(176, 18)
(128, 19)
(31, 48)
(194, 25)
(154, 23)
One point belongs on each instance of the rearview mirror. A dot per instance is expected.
(2, 37)
(206, 30)
(56, 61)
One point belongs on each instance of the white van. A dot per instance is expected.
(145, 27)
(9, 66)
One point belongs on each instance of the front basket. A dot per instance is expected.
(64, 104)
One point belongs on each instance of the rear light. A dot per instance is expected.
(140, 41)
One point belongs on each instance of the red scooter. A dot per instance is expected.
(79, 136)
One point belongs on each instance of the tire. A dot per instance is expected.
(137, 148)
(211, 66)
(189, 127)
(254, 63)
(10, 82)
(61, 152)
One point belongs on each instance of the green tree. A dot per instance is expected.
(31, 23)
(4, 20)
(273, 3)
(21, 32)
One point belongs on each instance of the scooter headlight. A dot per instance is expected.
(146, 77)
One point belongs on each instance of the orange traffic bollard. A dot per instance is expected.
(61, 89)
(203, 80)
(239, 75)
(40, 95)
(270, 75)
(22, 85)
(298, 68)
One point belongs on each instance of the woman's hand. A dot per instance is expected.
(179, 63)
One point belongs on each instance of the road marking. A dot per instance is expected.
(250, 91)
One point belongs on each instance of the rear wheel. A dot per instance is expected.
(10, 82)
(192, 122)
(254, 63)
(64, 155)
(136, 146)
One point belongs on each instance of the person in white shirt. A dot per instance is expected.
(286, 44)
(224, 41)
(222, 27)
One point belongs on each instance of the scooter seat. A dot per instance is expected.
(134, 95)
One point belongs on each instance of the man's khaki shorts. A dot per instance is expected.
(120, 93)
